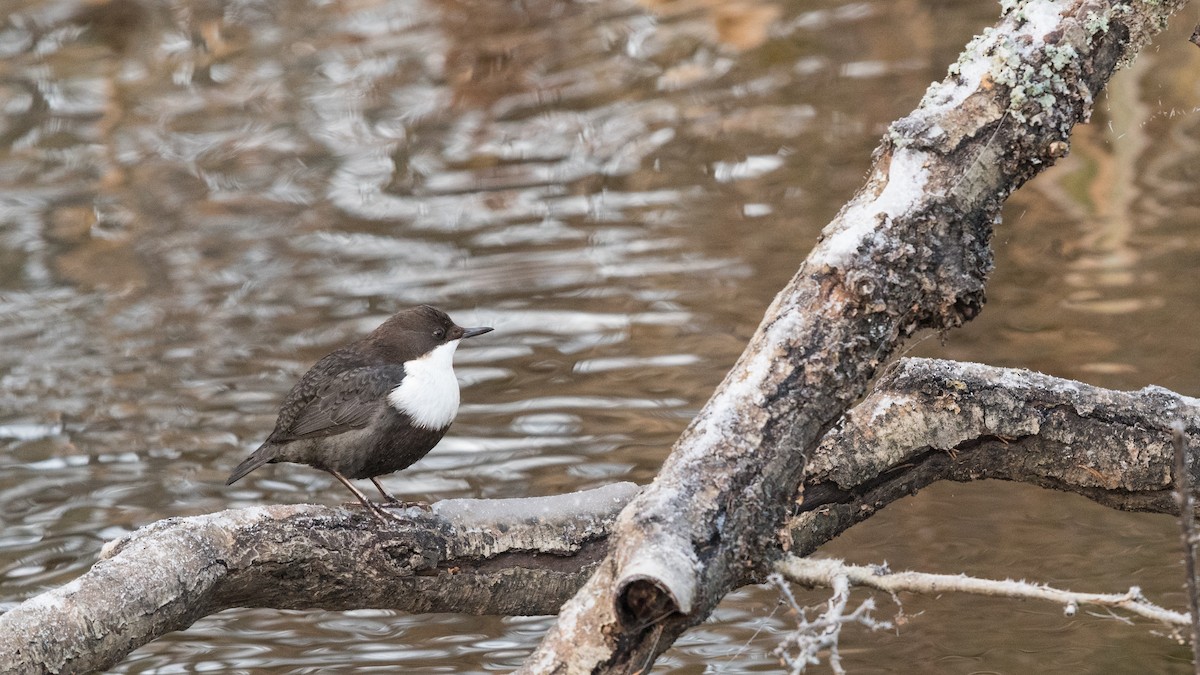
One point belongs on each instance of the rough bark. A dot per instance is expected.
(472, 556)
(929, 420)
(909, 251)
(926, 420)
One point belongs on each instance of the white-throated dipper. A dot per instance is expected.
(372, 407)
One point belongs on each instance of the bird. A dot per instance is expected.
(372, 407)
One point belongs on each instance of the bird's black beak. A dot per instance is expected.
(472, 332)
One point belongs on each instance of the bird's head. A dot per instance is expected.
(415, 332)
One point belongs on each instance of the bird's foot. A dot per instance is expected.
(382, 512)
(398, 503)
(376, 510)
(402, 504)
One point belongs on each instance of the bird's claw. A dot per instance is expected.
(382, 512)
(411, 505)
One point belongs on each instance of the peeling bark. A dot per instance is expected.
(909, 251)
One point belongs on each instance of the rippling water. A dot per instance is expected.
(199, 199)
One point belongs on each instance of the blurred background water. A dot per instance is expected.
(199, 198)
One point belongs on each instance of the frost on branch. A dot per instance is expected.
(803, 646)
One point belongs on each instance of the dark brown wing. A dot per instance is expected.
(335, 403)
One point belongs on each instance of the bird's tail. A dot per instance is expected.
(263, 455)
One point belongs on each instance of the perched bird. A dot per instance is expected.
(372, 407)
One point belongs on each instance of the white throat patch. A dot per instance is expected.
(429, 391)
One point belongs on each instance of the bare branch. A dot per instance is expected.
(829, 573)
(469, 555)
(910, 250)
(926, 420)
(929, 420)
(804, 644)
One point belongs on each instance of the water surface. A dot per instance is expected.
(198, 200)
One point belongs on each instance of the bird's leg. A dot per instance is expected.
(371, 506)
(398, 502)
(379, 486)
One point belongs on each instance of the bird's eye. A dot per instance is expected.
(439, 333)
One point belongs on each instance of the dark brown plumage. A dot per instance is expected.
(372, 407)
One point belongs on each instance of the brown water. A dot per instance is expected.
(198, 199)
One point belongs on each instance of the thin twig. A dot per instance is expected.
(803, 646)
(1187, 530)
(824, 572)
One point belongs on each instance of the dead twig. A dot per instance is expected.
(826, 572)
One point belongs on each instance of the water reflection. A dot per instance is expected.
(198, 200)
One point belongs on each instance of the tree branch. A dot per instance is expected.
(909, 251)
(468, 555)
(814, 572)
(929, 420)
(926, 420)
(803, 645)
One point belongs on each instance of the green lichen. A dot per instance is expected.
(1017, 98)
(1009, 54)
(1095, 23)
(1061, 56)
(1029, 85)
